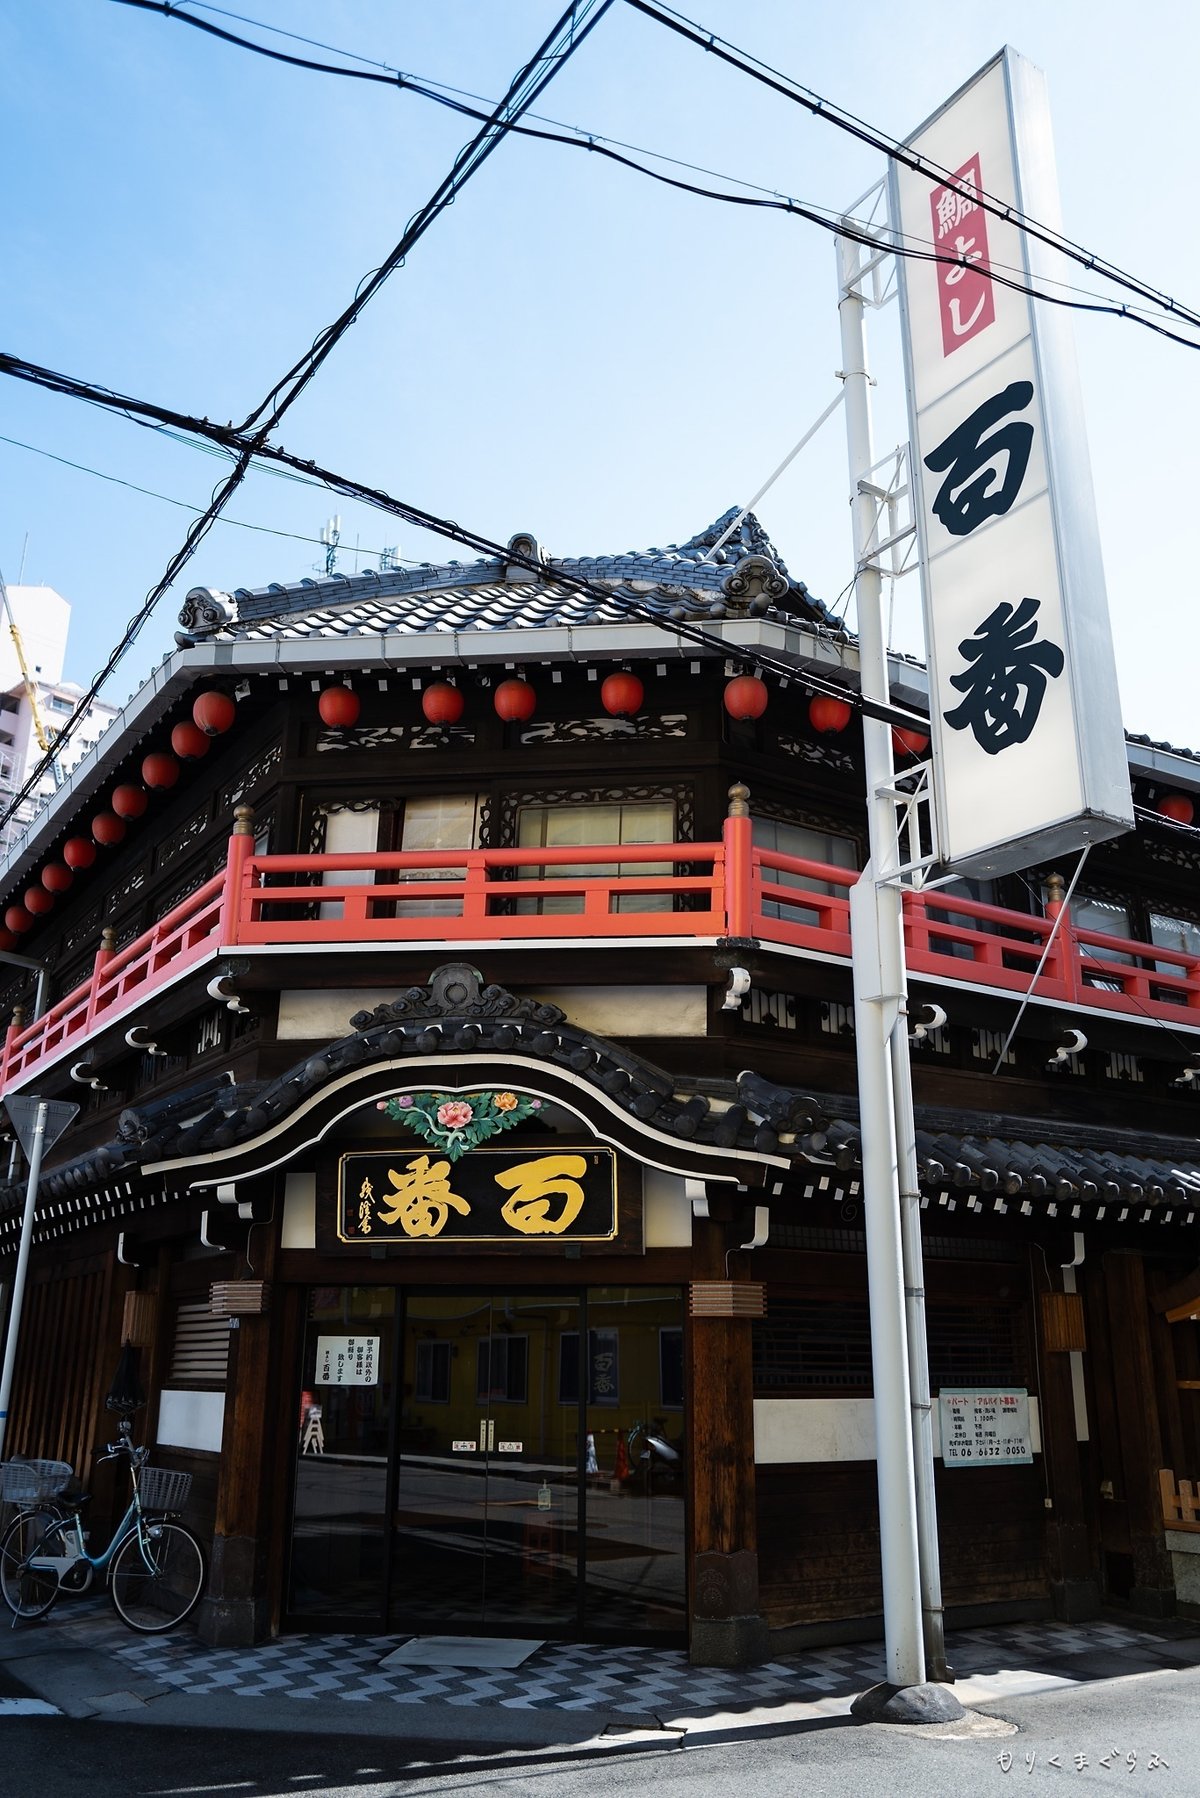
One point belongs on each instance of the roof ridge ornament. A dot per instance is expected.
(456, 990)
(205, 609)
(750, 538)
(526, 545)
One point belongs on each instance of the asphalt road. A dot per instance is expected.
(1151, 1717)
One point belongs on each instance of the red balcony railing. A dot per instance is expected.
(609, 893)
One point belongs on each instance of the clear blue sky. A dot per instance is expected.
(572, 350)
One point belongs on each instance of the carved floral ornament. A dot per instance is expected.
(456, 1122)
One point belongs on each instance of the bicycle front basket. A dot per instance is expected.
(28, 1482)
(163, 1489)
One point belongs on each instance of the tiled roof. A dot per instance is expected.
(984, 1161)
(683, 581)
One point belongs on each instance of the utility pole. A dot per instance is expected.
(38, 1123)
(881, 1039)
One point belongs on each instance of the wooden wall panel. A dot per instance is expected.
(818, 1539)
(67, 1356)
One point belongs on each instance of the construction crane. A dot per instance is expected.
(44, 739)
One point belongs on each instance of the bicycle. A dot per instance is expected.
(37, 1492)
(154, 1565)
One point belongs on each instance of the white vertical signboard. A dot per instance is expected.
(1028, 749)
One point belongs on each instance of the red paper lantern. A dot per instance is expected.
(442, 703)
(107, 829)
(622, 694)
(339, 707)
(56, 877)
(828, 714)
(129, 801)
(38, 901)
(908, 742)
(160, 770)
(746, 696)
(214, 712)
(1176, 806)
(8, 941)
(18, 920)
(189, 741)
(79, 852)
(515, 701)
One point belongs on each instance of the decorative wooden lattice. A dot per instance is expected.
(1180, 1505)
(1063, 1331)
(139, 1319)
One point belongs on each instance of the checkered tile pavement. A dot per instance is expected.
(578, 1677)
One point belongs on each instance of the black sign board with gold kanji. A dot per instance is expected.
(533, 1197)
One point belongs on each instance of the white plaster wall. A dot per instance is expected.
(609, 1011)
(328, 1014)
(191, 1420)
(834, 1429)
(666, 1210)
(632, 1010)
(299, 1211)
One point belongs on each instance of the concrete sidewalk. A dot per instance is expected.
(84, 1662)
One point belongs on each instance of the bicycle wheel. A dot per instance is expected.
(30, 1591)
(157, 1575)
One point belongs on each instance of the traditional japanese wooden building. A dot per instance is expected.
(453, 974)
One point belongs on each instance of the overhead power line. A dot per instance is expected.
(825, 218)
(238, 442)
(895, 151)
(568, 33)
(241, 524)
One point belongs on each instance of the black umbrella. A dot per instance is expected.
(125, 1394)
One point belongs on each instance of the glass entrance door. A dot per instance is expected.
(487, 1512)
(490, 1461)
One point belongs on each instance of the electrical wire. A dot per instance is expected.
(848, 122)
(234, 440)
(560, 44)
(184, 505)
(825, 218)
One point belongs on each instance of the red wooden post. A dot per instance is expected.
(1066, 953)
(16, 1023)
(104, 954)
(237, 884)
(739, 864)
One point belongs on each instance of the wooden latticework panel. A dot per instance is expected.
(64, 1363)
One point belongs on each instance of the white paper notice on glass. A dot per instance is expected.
(985, 1427)
(347, 1361)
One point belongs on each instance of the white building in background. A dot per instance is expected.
(43, 618)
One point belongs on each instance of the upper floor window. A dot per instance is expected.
(615, 824)
(807, 843)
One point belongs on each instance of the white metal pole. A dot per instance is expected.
(18, 1280)
(876, 925)
(918, 1357)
